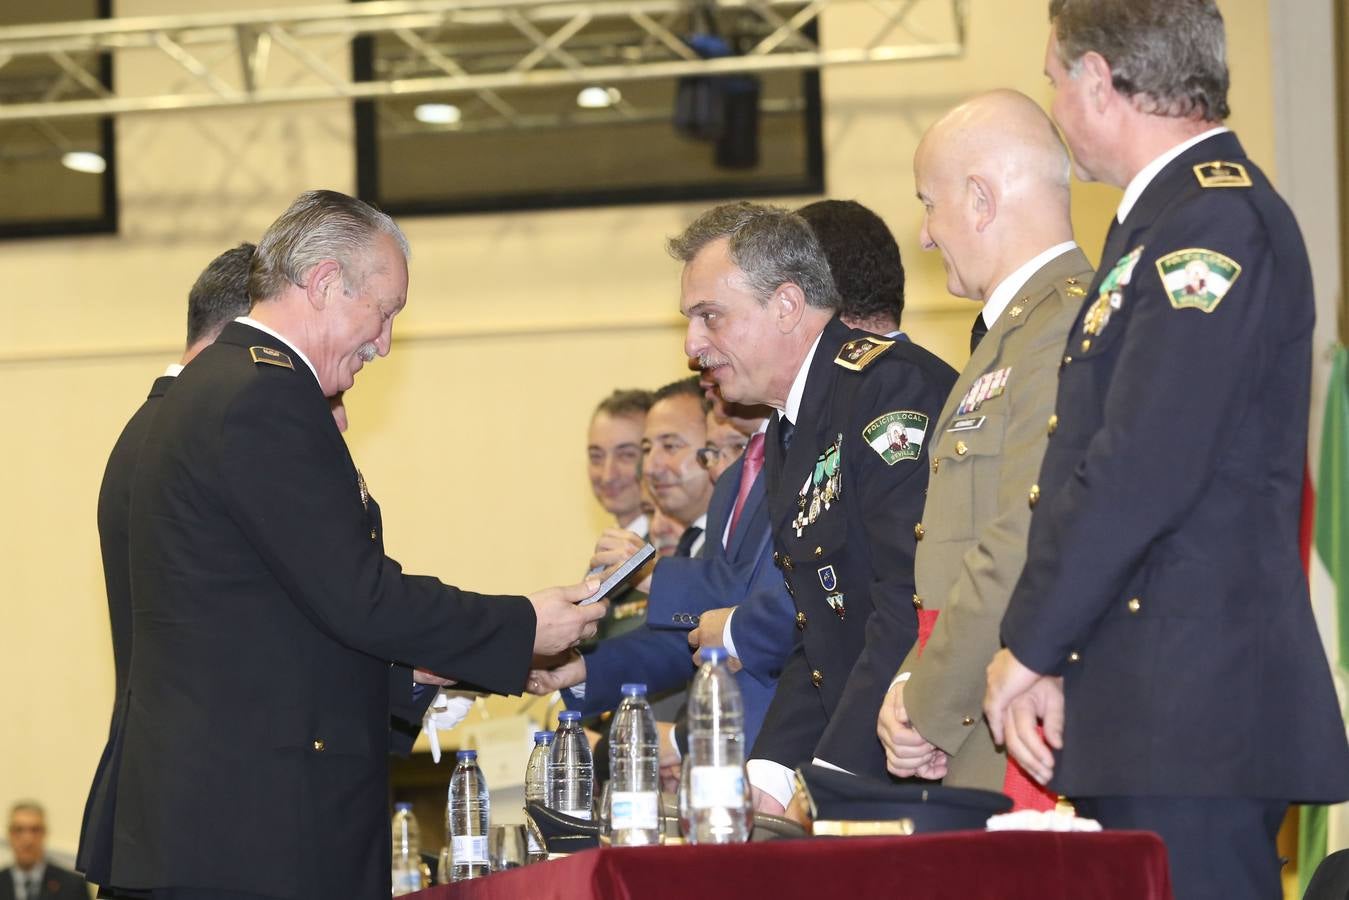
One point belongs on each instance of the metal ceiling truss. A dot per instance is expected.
(479, 47)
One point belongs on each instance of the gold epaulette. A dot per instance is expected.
(271, 357)
(860, 353)
(1220, 174)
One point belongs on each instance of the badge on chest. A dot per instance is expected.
(1111, 297)
(822, 487)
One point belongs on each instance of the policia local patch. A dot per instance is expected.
(897, 435)
(1197, 278)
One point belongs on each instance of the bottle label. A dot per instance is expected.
(469, 849)
(717, 786)
(634, 809)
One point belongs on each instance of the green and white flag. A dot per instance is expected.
(1322, 829)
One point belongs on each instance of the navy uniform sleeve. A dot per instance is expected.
(287, 488)
(1175, 399)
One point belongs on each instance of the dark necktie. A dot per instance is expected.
(785, 431)
(748, 473)
(978, 331)
(31, 888)
(685, 545)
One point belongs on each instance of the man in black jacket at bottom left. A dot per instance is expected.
(265, 613)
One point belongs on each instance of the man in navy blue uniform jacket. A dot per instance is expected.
(1161, 628)
(845, 470)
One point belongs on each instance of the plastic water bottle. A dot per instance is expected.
(536, 782)
(407, 852)
(714, 793)
(467, 815)
(634, 771)
(536, 772)
(571, 774)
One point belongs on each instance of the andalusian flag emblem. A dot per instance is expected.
(1197, 278)
(897, 435)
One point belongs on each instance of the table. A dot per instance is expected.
(1006, 865)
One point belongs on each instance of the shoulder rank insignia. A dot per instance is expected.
(859, 354)
(897, 435)
(1219, 174)
(1197, 278)
(270, 357)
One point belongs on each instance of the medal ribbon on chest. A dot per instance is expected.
(822, 487)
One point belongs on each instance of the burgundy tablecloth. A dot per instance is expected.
(1009, 865)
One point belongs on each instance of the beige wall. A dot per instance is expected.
(471, 433)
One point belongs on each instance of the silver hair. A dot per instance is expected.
(1170, 56)
(319, 225)
(771, 245)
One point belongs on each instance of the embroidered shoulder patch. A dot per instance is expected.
(1219, 174)
(1197, 278)
(859, 354)
(270, 357)
(897, 435)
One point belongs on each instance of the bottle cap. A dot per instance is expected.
(543, 737)
(568, 717)
(466, 754)
(714, 654)
(634, 690)
(402, 807)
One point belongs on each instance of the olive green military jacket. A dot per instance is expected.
(972, 541)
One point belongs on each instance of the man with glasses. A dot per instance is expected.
(725, 443)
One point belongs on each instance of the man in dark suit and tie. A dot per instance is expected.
(33, 877)
(265, 612)
(734, 564)
(1161, 628)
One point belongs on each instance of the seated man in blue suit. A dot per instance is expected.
(734, 563)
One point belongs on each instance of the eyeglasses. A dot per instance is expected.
(712, 454)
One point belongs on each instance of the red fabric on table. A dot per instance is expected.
(1006, 865)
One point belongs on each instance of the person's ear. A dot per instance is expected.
(983, 202)
(789, 306)
(324, 279)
